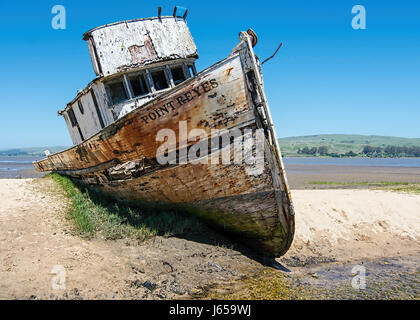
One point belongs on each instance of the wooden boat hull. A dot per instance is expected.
(121, 160)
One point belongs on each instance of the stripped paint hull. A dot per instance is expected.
(121, 159)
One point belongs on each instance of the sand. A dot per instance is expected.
(344, 225)
(36, 242)
(300, 175)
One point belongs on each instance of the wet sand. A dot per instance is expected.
(338, 230)
(335, 230)
(300, 175)
(42, 258)
(19, 167)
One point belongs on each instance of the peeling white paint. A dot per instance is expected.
(135, 43)
(122, 48)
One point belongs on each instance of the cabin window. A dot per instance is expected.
(79, 103)
(178, 75)
(159, 80)
(139, 85)
(117, 92)
(95, 103)
(72, 117)
(188, 71)
(191, 70)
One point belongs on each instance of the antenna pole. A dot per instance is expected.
(273, 54)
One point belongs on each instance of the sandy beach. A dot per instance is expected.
(345, 225)
(333, 227)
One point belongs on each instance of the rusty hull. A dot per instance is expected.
(121, 159)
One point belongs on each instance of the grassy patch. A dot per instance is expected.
(273, 285)
(329, 183)
(81, 208)
(414, 188)
(93, 212)
(268, 285)
(386, 185)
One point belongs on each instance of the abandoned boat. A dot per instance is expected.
(147, 92)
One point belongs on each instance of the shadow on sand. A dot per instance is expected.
(173, 220)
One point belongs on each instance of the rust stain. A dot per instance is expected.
(139, 54)
(140, 127)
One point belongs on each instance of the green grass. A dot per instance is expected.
(360, 183)
(415, 188)
(341, 143)
(386, 185)
(81, 208)
(93, 213)
(267, 285)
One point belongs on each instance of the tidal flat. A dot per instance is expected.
(351, 221)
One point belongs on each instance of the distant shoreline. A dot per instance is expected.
(39, 157)
(350, 146)
(300, 171)
(343, 157)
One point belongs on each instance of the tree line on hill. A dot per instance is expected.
(368, 151)
(395, 151)
(13, 152)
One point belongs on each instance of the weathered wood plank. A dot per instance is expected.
(253, 204)
(202, 103)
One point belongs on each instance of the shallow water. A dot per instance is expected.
(21, 166)
(301, 171)
(18, 167)
(386, 278)
(394, 278)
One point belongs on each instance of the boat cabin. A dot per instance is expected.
(134, 61)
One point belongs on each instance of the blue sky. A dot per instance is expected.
(327, 77)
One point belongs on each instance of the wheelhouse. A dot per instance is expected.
(135, 61)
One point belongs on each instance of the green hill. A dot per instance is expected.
(341, 144)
